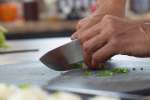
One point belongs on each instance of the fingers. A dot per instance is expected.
(102, 55)
(107, 38)
(85, 24)
(95, 43)
(78, 25)
(74, 36)
(82, 22)
(81, 26)
(87, 34)
(90, 33)
(87, 59)
(92, 46)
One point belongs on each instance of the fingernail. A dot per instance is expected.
(73, 37)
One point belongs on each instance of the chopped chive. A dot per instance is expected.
(120, 70)
(77, 65)
(88, 73)
(104, 73)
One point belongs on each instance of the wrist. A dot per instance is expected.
(146, 30)
(146, 27)
(111, 7)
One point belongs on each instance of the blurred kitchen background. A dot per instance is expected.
(36, 27)
(54, 18)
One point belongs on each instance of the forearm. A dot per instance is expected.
(112, 7)
(146, 27)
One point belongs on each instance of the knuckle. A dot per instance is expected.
(108, 16)
(95, 57)
(116, 44)
(112, 28)
(82, 38)
(81, 22)
(105, 18)
(110, 24)
(86, 47)
(109, 19)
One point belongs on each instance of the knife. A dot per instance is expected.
(63, 58)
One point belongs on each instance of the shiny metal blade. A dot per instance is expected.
(62, 58)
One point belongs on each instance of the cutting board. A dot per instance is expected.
(137, 81)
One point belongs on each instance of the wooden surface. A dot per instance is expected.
(40, 26)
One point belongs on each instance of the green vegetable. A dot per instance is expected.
(120, 70)
(2, 37)
(3, 41)
(104, 73)
(77, 65)
(24, 86)
(88, 73)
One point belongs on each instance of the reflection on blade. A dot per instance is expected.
(62, 58)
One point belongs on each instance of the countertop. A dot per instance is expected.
(22, 68)
(43, 45)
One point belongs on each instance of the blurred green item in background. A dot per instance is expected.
(2, 37)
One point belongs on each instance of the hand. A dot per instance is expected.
(86, 23)
(114, 35)
(103, 7)
(92, 19)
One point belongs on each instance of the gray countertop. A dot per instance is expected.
(23, 68)
(20, 68)
(26, 73)
(43, 45)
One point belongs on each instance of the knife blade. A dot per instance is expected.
(62, 58)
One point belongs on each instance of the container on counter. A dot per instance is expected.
(75, 9)
(31, 10)
(140, 6)
(8, 11)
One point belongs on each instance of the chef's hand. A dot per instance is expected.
(103, 7)
(114, 35)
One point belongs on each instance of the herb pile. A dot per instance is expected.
(103, 72)
(77, 65)
(107, 72)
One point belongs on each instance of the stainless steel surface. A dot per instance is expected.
(136, 81)
(25, 68)
(29, 72)
(86, 94)
(20, 68)
(62, 58)
(43, 45)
